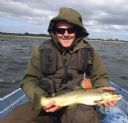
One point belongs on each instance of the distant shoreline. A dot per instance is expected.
(23, 36)
(43, 36)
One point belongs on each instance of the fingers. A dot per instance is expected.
(108, 104)
(108, 88)
(51, 104)
(51, 107)
(112, 103)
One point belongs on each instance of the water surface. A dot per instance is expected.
(15, 53)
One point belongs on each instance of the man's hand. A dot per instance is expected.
(51, 107)
(111, 103)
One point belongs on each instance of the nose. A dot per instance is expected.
(66, 33)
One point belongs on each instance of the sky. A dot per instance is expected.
(107, 19)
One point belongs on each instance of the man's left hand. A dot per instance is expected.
(111, 103)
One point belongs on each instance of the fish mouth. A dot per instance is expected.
(119, 97)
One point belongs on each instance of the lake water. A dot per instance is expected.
(15, 53)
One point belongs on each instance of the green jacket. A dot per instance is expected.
(35, 81)
(33, 76)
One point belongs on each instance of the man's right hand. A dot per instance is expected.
(51, 107)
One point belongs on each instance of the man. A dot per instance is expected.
(59, 65)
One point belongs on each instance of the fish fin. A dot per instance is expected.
(98, 101)
(37, 102)
(72, 106)
(76, 88)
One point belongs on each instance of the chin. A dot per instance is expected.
(66, 45)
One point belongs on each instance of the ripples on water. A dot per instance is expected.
(14, 56)
(115, 57)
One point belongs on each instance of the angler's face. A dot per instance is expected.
(65, 33)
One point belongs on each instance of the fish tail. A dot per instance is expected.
(37, 101)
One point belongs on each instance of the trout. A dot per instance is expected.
(80, 96)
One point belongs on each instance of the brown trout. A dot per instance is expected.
(80, 96)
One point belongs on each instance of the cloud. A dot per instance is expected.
(21, 10)
(97, 15)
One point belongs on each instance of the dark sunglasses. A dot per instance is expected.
(62, 31)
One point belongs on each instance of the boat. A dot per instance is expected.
(117, 114)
